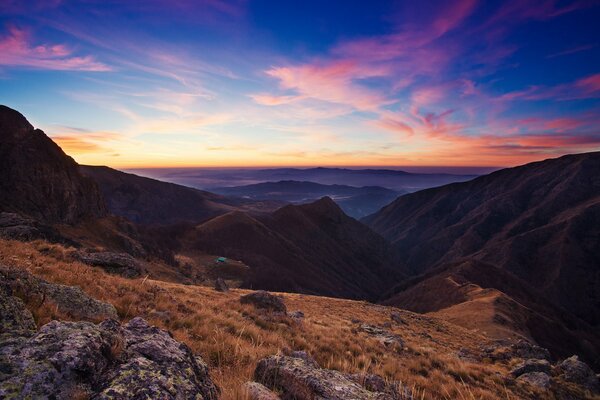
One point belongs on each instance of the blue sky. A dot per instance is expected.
(268, 83)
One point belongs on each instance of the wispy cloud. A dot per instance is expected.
(572, 50)
(18, 50)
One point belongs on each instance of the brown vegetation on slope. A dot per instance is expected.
(232, 337)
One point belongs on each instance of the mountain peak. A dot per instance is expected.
(38, 179)
(13, 123)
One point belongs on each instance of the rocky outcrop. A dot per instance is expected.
(17, 227)
(521, 349)
(297, 315)
(575, 371)
(298, 379)
(38, 179)
(221, 285)
(531, 366)
(116, 263)
(14, 317)
(265, 301)
(540, 380)
(105, 361)
(385, 337)
(69, 299)
(256, 391)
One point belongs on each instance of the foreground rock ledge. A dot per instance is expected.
(299, 379)
(66, 360)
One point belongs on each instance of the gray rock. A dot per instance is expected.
(69, 299)
(17, 227)
(256, 391)
(375, 383)
(385, 337)
(118, 263)
(296, 315)
(397, 318)
(371, 382)
(520, 349)
(538, 379)
(108, 361)
(221, 285)
(528, 366)
(303, 355)
(264, 300)
(299, 380)
(576, 371)
(14, 317)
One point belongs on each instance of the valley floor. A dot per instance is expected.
(437, 360)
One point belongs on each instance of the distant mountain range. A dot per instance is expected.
(357, 202)
(208, 178)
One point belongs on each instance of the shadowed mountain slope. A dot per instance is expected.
(149, 201)
(146, 200)
(481, 296)
(540, 221)
(38, 179)
(312, 248)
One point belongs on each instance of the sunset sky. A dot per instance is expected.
(161, 83)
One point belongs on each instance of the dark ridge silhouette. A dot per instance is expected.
(38, 179)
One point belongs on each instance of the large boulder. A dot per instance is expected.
(264, 300)
(299, 379)
(540, 380)
(528, 366)
(118, 263)
(256, 391)
(221, 285)
(17, 227)
(576, 371)
(14, 317)
(104, 361)
(69, 299)
(521, 349)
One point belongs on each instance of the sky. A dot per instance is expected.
(215, 83)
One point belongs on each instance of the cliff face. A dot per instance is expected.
(38, 179)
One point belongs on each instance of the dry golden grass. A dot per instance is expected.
(232, 337)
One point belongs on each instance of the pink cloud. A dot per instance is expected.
(332, 82)
(266, 99)
(396, 126)
(17, 51)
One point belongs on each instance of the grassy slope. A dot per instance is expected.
(232, 337)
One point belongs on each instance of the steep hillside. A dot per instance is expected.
(312, 248)
(38, 179)
(481, 296)
(540, 221)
